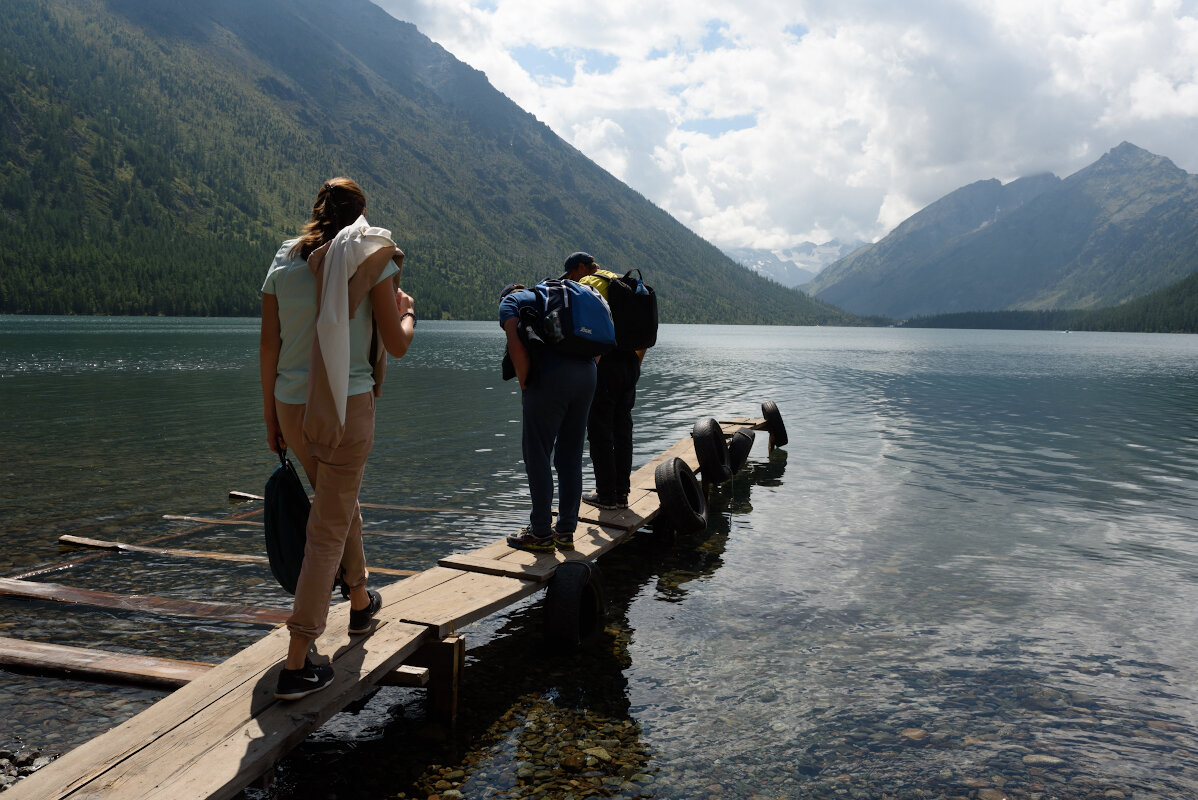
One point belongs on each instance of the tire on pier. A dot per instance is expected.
(773, 424)
(681, 496)
(711, 451)
(738, 449)
(575, 604)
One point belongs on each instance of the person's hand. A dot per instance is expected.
(274, 435)
(404, 302)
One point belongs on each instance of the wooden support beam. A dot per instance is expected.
(406, 675)
(102, 544)
(135, 602)
(445, 660)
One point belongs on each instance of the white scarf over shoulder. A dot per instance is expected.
(341, 288)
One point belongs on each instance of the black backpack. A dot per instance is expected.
(633, 306)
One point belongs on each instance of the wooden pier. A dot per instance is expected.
(223, 728)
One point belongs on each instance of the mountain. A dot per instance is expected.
(155, 153)
(1120, 228)
(794, 266)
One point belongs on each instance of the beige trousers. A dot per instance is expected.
(335, 523)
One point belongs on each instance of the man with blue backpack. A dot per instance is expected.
(554, 331)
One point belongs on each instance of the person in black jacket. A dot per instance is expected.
(609, 425)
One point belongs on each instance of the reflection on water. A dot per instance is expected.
(972, 573)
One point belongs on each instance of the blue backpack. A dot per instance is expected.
(575, 319)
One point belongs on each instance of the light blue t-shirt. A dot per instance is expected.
(294, 286)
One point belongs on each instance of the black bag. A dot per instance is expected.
(633, 306)
(286, 522)
(527, 329)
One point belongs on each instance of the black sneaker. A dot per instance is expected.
(359, 621)
(297, 683)
(525, 540)
(564, 540)
(605, 503)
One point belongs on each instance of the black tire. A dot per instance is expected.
(575, 604)
(738, 449)
(681, 496)
(711, 451)
(773, 424)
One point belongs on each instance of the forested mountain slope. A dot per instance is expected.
(1173, 309)
(154, 154)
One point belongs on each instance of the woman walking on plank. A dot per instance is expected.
(330, 295)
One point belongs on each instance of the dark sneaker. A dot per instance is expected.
(359, 621)
(564, 540)
(297, 683)
(525, 540)
(605, 503)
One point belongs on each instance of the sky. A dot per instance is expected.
(769, 123)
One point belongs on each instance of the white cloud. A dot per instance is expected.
(764, 124)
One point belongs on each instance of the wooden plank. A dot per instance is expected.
(236, 495)
(254, 745)
(541, 571)
(212, 521)
(136, 602)
(34, 573)
(365, 531)
(628, 518)
(449, 599)
(93, 758)
(81, 662)
(647, 507)
(139, 670)
(102, 544)
(214, 735)
(471, 596)
(496, 558)
(406, 675)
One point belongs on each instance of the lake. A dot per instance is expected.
(973, 572)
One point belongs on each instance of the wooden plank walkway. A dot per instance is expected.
(224, 728)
